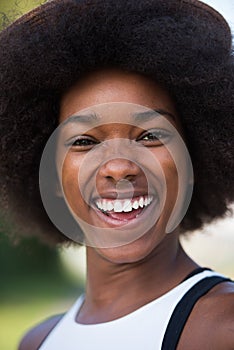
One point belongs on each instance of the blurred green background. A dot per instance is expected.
(15, 8)
(37, 281)
(34, 286)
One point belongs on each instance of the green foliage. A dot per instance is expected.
(26, 258)
(33, 287)
(19, 5)
(12, 9)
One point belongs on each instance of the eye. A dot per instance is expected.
(155, 137)
(81, 143)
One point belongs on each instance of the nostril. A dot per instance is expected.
(129, 177)
(122, 181)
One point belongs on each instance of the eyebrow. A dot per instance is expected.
(138, 117)
(86, 119)
(152, 114)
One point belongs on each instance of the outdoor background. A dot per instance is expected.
(37, 281)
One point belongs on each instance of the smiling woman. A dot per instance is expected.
(132, 140)
(116, 121)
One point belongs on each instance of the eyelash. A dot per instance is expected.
(83, 139)
(80, 140)
(159, 137)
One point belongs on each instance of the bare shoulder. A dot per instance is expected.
(34, 337)
(221, 300)
(211, 323)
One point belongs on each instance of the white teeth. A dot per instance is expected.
(141, 202)
(110, 206)
(123, 205)
(127, 206)
(104, 205)
(99, 205)
(135, 205)
(118, 206)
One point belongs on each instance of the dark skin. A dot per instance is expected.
(154, 263)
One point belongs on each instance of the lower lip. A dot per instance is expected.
(120, 219)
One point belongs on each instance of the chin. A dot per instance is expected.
(132, 252)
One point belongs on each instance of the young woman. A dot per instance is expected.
(101, 100)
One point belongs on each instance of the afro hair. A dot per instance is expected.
(184, 47)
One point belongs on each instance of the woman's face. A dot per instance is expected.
(121, 156)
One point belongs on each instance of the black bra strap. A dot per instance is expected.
(183, 309)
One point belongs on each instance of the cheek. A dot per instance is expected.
(169, 171)
(171, 174)
(70, 173)
(167, 165)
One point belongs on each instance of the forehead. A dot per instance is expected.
(109, 86)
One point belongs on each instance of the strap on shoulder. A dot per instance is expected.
(183, 309)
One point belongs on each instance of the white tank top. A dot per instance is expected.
(142, 329)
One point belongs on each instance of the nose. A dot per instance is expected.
(119, 169)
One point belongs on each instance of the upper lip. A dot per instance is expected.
(120, 195)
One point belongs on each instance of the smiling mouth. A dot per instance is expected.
(123, 209)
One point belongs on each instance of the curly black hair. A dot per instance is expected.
(181, 45)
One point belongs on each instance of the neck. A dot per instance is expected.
(113, 290)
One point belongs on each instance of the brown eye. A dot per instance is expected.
(155, 137)
(81, 143)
